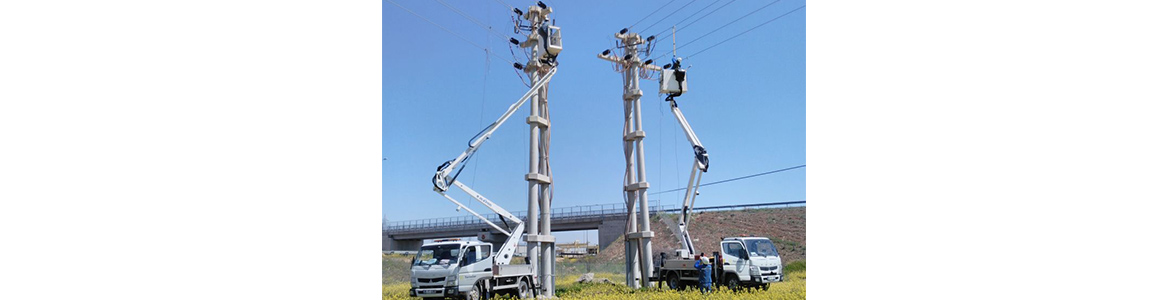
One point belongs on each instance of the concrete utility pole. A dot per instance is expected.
(544, 41)
(639, 258)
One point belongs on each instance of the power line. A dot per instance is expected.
(697, 20)
(505, 5)
(670, 14)
(721, 27)
(729, 23)
(746, 31)
(704, 16)
(689, 17)
(487, 66)
(651, 14)
(477, 22)
(445, 29)
(734, 179)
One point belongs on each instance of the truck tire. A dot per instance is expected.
(765, 286)
(672, 281)
(733, 283)
(474, 293)
(523, 291)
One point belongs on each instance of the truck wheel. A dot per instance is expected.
(672, 281)
(522, 290)
(765, 286)
(733, 283)
(474, 293)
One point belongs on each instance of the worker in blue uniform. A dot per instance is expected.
(704, 266)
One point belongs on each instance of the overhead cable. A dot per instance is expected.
(734, 179)
(692, 15)
(670, 14)
(724, 26)
(477, 22)
(746, 31)
(651, 14)
(448, 30)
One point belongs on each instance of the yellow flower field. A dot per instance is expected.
(792, 288)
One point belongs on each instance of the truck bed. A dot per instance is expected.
(514, 270)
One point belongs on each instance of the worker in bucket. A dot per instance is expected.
(704, 266)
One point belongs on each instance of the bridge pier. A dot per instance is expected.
(609, 231)
(391, 244)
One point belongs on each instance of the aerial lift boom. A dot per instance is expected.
(734, 269)
(673, 82)
(443, 179)
(472, 279)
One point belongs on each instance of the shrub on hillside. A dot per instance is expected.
(796, 266)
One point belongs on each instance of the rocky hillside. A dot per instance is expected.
(785, 226)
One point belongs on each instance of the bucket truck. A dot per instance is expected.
(455, 268)
(746, 261)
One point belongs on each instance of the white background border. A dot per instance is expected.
(988, 150)
(190, 149)
(231, 149)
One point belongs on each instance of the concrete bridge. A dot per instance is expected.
(607, 219)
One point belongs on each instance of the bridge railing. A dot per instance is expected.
(583, 212)
(563, 214)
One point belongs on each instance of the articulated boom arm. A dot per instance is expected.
(503, 256)
(700, 167)
(443, 176)
(443, 179)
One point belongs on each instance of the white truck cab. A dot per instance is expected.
(454, 268)
(750, 261)
(743, 262)
(448, 268)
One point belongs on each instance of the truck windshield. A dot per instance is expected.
(761, 247)
(430, 255)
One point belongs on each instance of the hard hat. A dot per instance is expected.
(705, 260)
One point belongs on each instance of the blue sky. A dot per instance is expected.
(746, 102)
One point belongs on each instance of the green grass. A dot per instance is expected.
(792, 267)
(396, 283)
(395, 269)
(792, 288)
(577, 266)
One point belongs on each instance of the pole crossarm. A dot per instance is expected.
(630, 63)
